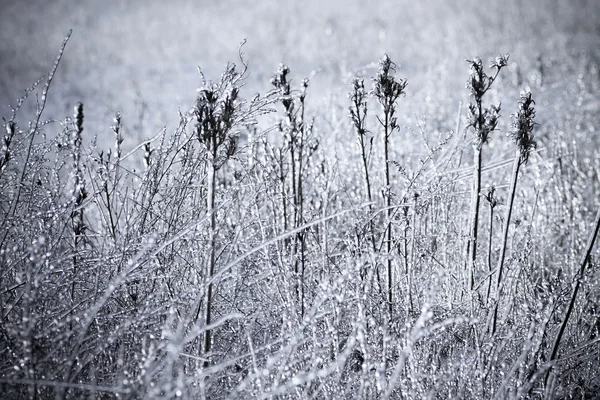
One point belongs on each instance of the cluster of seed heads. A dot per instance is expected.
(215, 114)
(387, 88)
(358, 109)
(483, 120)
(282, 84)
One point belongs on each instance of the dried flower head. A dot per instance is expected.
(387, 88)
(358, 110)
(523, 124)
(283, 85)
(490, 196)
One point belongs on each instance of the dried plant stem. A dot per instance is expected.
(388, 203)
(489, 255)
(583, 264)
(212, 185)
(32, 133)
(511, 197)
(475, 200)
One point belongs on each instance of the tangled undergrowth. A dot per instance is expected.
(264, 252)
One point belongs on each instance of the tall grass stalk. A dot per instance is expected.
(522, 134)
(387, 90)
(483, 121)
(585, 260)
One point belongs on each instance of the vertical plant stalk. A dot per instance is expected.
(300, 193)
(585, 260)
(504, 244)
(212, 186)
(79, 193)
(492, 201)
(522, 134)
(290, 131)
(107, 193)
(296, 133)
(358, 115)
(483, 121)
(387, 90)
(217, 111)
(473, 232)
(410, 265)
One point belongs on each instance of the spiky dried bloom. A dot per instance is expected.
(523, 124)
(79, 117)
(387, 88)
(216, 112)
(147, 155)
(484, 123)
(79, 190)
(282, 84)
(490, 196)
(118, 137)
(76, 139)
(358, 109)
(483, 120)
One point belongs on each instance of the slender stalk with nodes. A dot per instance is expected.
(79, 192)
(387, 90)
(297, 140)
(217, 112)
(358, 115)
(483, 121)
(522, 134)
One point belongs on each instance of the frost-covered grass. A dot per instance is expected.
(263, 247)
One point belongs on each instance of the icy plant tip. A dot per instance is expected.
(523, 124)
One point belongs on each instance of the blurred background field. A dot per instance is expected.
(141, 57)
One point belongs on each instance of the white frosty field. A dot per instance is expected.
(418, 218)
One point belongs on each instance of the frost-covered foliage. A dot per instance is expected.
(247, 254)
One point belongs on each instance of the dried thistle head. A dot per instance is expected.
(479, 82)
(76, 134)
(500, 62)
(523, 124)
(283, 85)
(217, 112)
(483, 120)
(205, 115)
(147, 154)
(387, 88)
(490, 196)
(484, 124)
(118, 136)
(79, 117)
(358, 109)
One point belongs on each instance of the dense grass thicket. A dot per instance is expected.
(267, 248)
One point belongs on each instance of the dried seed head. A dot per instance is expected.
(79, 117)
(523, 124)
(147, 154)
(500, 61)
(387, 88)
(490, 196)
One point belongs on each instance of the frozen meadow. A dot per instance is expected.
(371, 200)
